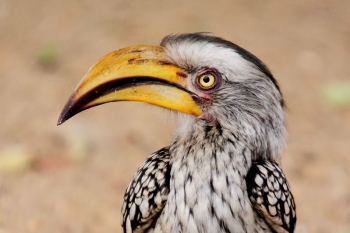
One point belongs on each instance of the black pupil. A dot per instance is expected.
(206, 79)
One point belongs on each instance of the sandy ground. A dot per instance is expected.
(71, 178)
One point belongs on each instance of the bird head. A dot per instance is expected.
(211, 80)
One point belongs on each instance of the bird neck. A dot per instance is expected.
(208, 166)
(209, 144)
(243, 139)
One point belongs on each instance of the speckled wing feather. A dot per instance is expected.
(147, 193)
(271, 197)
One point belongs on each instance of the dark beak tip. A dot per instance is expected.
(63, 117)
(60, 121)
(70, 109)
(65, 114)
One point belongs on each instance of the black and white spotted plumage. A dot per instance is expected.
(267, 188)
(147, 193)
(271, 197)
(220, 173)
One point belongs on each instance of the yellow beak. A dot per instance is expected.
(138, 73)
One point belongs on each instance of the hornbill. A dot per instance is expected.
(220, 172)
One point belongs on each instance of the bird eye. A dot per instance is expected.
(206, 81)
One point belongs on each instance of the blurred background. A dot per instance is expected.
(72, 178)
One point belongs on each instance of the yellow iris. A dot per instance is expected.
(206, 81)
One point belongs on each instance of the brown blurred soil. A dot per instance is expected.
(72, 178)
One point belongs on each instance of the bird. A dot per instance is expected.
(221, 172)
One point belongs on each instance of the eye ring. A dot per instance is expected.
(206, 81)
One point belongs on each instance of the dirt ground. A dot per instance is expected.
(72, 178)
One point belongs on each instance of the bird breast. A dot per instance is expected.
(207, 187)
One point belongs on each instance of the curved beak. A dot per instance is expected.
(138, 73)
